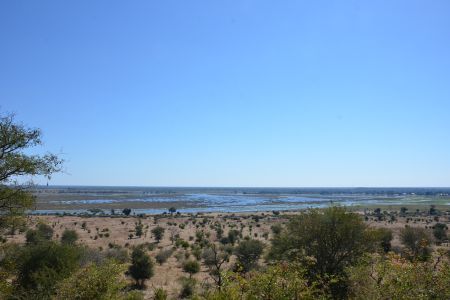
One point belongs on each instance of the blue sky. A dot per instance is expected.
(234, 93)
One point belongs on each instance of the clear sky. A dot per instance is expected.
(234, 93)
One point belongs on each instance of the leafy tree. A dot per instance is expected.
(16, 165)
(141, 266)
(417, 241)
(403, 210)
(43, 232)
(191, 267)
(248, 252)
(232, 237)
(158, 233)
(279, 282)
(42, 266)
(172, 210)
(326, 241)
(126, 211)
(101, 282)
(69, 237)
(393, 277)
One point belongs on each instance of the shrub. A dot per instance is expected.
(69, 237)
(187, 287)
(141, 266)
(160, 294)
(393, 277)
(93, 282)
(158, 233)
(440, 231)
(191, 267)
(276, 229)
(139, 229)
(417, 241)
(43, 232)
(332, 239)
(248, 253)
(279, 282)
(42, 266)
(163, 255)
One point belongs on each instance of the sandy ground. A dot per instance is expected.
(99, 232)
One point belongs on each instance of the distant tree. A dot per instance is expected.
(158, 233)
(231, 238)
(141, 266)
(248, 252)
(16, 166)
(403, 210)
(172, 210)
(69, 237)
(139, 229)
(43, 232)
(191, 267)
(433, 210)
(416, 241)
(126, 211)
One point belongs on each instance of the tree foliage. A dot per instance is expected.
(332, 237)
(158, 233)
(16, 166)
(416, 241)
(393, 277)
(40, 267)
(43, 232)
(191, 267)
(248, 252)
(141, 266)
(69, 237)
(101, 282)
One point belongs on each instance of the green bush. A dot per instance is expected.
(191, 266)
(42, 266)
(94, 282)
(69, 237)
(141, 266)
(158, 233)
(248, 252)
